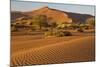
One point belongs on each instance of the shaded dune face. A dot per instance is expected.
(79, 49)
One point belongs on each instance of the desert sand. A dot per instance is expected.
(30, 51)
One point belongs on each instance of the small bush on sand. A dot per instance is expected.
(63, 33)
(80, 30)
(13, 28)
(58, 33)
(48, 33)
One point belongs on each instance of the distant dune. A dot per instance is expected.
(53, 14)
(68, 50)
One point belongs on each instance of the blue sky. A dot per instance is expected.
(29, 6)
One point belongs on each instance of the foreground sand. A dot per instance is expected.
(53, 50)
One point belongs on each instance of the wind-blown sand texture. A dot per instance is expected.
(28, 51)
